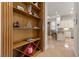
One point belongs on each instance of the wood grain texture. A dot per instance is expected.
(41, 24)
(0, 29)
(7, 14)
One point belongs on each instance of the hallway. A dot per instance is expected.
(57, 49)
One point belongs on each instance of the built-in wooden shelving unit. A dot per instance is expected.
(22, 19)
(22, 25)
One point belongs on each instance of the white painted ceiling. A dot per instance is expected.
(62, 8)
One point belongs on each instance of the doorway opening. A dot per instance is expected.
(61, 28)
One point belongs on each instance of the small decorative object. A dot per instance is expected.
(20, 8)
(29, 50)
(36, 27)
(35, 14)
(30, 9)
(16, 24)
(29, 25)
(29, 39)
(36, 3)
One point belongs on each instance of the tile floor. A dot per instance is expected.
(59, 48)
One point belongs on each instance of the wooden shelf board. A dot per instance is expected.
(35, 28)
(26, 28)
(16, 45)
(18, 28)
(30, 3)
(24, 13)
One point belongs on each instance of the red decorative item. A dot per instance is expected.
(29, 50)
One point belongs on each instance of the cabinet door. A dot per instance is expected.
(6, 23)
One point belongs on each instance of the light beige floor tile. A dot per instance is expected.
(57, 49)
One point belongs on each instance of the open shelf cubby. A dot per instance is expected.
(24, 13)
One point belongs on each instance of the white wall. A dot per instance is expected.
(76, 29)
(0, 29)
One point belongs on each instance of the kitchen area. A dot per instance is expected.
(61, 28)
